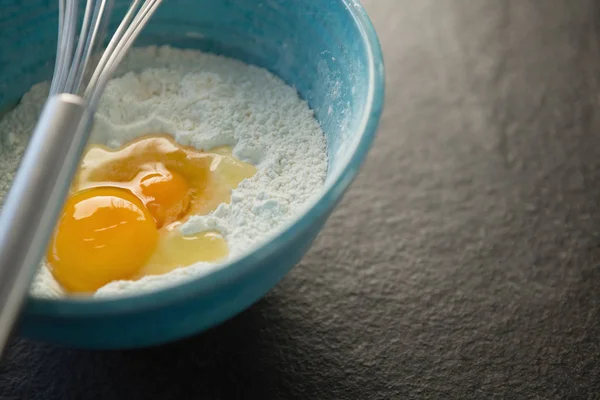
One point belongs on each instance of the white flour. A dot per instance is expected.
(204, 101)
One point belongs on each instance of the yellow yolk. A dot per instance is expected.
(104, 234)
(166, 194)
(133, 199)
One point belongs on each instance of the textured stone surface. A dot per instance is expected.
(463, 263)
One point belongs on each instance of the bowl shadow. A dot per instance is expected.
(255, 353)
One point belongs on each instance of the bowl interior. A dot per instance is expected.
(324, 48)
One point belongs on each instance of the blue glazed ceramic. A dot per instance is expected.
(327, 49)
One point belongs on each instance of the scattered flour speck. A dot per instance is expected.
(204, 101)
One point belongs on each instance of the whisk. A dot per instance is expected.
(41, 184)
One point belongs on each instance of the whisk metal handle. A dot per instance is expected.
(36, 198)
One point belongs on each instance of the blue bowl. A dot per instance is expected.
(327, 49)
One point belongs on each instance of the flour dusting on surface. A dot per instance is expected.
(205, 101)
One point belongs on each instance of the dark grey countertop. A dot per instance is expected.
(463, 263)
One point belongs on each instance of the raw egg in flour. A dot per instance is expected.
(121, 219)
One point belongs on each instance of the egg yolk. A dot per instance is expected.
(104, 234)
(166, 194)
(122, 219)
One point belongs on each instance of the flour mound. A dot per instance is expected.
(204, 101)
